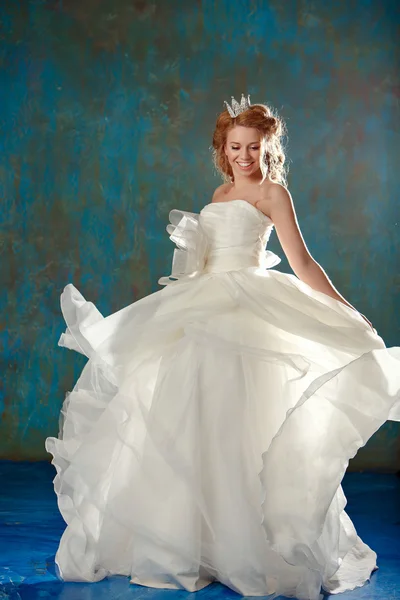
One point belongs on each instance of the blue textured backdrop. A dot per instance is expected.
(107, 110)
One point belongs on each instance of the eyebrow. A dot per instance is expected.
(248, 144)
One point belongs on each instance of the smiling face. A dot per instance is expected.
(243, 150)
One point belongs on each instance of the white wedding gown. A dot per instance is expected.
(208, 434)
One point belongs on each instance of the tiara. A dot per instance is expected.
(235, 109)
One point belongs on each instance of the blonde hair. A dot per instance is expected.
(271, 129)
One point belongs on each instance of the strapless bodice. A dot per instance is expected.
(224, 236)
(237, 235)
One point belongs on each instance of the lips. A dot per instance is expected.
(245, 166)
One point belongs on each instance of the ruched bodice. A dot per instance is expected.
(224, 236)
(237, 234)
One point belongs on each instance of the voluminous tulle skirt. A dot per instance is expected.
(208, 434)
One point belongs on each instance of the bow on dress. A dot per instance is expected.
(190, 255)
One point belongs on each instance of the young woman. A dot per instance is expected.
(211, 427)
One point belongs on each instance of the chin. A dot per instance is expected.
(244, 173)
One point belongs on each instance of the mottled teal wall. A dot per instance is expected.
(107, 110)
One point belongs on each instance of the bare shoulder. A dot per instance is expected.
(277, 192)
(273, 198)
(220, 191)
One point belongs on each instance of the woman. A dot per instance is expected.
(211, 427)
(238, 155)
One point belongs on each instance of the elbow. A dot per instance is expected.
(302, 265)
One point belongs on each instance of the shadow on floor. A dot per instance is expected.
(31, 526)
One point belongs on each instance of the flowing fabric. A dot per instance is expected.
(208, 434)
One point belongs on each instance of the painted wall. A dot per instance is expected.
(107, 110)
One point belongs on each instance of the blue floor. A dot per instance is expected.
(30, 527)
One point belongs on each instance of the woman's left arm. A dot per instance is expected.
(279, 207)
